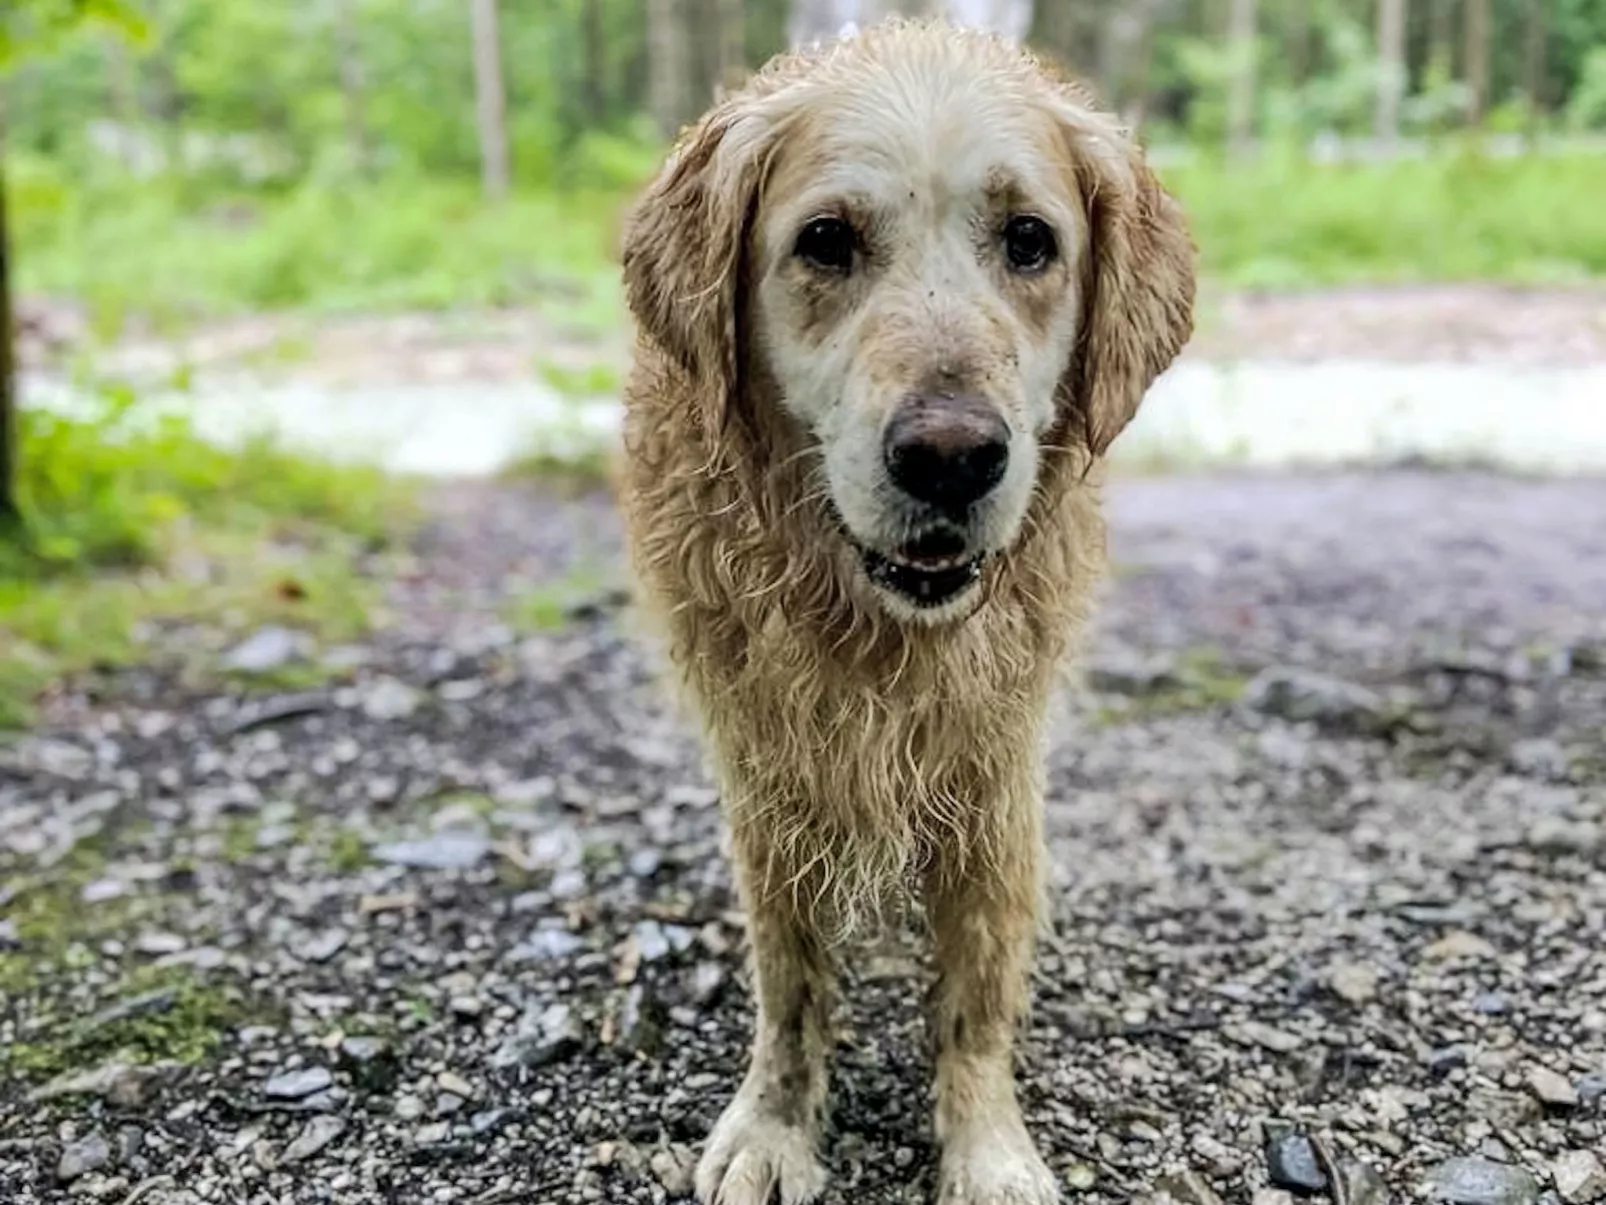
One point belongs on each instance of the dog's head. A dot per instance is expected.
(947, 265)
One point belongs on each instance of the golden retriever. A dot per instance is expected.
(894, 299)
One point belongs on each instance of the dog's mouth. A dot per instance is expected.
(928, 571)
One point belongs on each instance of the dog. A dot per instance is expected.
(894, 298)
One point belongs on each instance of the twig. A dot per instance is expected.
(1329, 1168)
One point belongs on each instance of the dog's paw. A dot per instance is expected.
(754, 1159)
(993, 1169)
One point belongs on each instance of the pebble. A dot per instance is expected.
(1305, 696)
(547, 943)
(121, 1084)
(1291, 1163)
(321, 947)
(450, 1081)
(266, 649)
(1188, 1188)
(157, 944)
(433, 1134)
(88, 1154)
(1474, 1180)
(453, 849)
(1552, 1089)
(319, 1133)
(294, 1085)
(389, 699)
(544, 1035)
(1081, 1177)
(1459, 944)
(1579, 1178)
(1353, 982)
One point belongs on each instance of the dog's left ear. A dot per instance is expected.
(683, 247)
(1138, 309)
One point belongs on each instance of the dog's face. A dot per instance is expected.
(937, 254)
(918, 292)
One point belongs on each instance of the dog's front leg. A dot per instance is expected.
(983, 913)
(763, 1148)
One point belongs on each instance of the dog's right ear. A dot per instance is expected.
(683, 247)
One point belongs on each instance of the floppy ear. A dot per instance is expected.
(683, 250)
(1138, 308)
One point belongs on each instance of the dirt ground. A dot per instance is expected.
(1327, 822)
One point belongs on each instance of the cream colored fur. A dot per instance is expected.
(866, 749)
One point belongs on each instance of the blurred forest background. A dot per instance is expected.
(170, 164)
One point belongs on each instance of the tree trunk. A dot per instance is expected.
(1441, 36)
(10, 516)
(353, 84)
(1137, 100)
(668, 64)
(1533, 66)
(730, 63)
(1391, 70)
(491, 100)
(1299, 41)
(1241, 87)
(595, 51)
(1475, 59)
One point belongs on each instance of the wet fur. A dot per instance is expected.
(860, 754)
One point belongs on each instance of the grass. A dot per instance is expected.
(132, 529)
(1283, 222)
(174, 253)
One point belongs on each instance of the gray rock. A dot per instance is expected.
(708, 980)
(1363, 1184)
(88, 1154)
(1187, 1188)
(1552, 1089)
(1305, 696)
(451, 850)
(294, 1085)
(1291, 1163)
(389, 699)
(321, 947)
(1579, 1177)
(543, 1035)
(1474, 1180)
(433, 1134)
(146, 1004)
(121, 1084)
(545, 943)
(319, 1133)
(265, 650)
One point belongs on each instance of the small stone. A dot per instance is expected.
(1363, 1184)
(146, 1004)
(1459, 944)
(409, 1108)
(1081, 1177)
(450, 850)
(450, 1081)
(1188, 1188)
(1491, 1004)
(1305, 696)
(707, 982)
(319, 1133)
(433, 1134)
(88, 1154)
(1579, 1178)
(388, 699)
(1258, 1033)
(1271, 1196)
(489, 1121)
(321, 947)
(294, 1085)
(547, 943)
(157, 944)
(122, 1084)
(672, 1167)
(265, 650)
(1474, 1180)
(1353, 982)
(1446, 1059)
(1553, 1090)
(543, 1035)
(1291, 1164)
(465, 1007)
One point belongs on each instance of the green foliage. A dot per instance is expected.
(131, 519)
(154, 248)
(1285, 222)
(1587, 110)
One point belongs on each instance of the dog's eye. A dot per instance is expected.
(1029, 243)
(826, 243)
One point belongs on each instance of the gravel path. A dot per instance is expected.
(1328, 835)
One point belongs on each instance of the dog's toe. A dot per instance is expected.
(1006, 1173)
(755, 1160)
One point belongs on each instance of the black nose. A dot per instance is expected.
(945, 449)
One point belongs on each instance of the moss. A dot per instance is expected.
(1201, 679)
(348, 852)
(547, 607)
(153, 1015)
